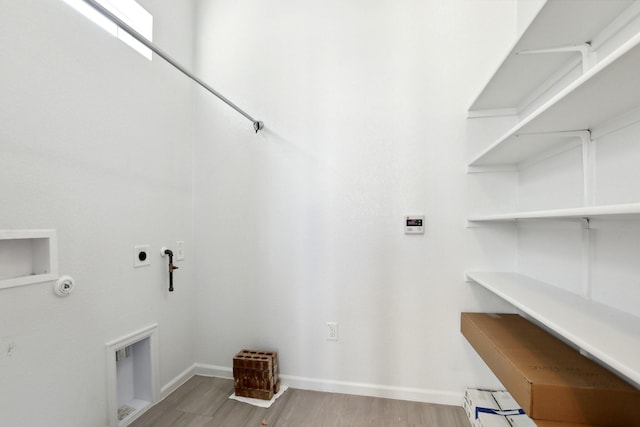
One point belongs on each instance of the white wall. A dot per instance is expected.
(95, 143)
(365, 111)
(527, 10)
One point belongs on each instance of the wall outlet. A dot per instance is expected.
(180, 250)
(141, 256)
(332, 331)
(7, 346)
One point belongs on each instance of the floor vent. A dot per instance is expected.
(124, 411)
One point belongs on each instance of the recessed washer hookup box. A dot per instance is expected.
(550, 380)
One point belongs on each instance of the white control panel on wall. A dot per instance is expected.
(414, 224)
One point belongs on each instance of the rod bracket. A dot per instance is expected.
(258, 125)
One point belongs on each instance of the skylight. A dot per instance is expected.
(130, 12)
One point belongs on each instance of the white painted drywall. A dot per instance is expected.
(365, 111)
(302, 224)
(95, 142)
(527, 10)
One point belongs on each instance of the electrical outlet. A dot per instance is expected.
(141, 256)
(11, 348)
(332, 331)
(7, 346)
(180, 250)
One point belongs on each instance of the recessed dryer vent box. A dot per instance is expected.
(27, 256)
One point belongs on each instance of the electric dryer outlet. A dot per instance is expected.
(141, 256)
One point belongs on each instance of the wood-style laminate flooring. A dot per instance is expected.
(204, 402)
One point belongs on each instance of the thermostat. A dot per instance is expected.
(414, 224)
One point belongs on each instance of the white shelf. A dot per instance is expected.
(558, 23)
(609, 335)
(607, 91)
(582, 212)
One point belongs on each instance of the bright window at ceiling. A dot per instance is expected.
(130, 12)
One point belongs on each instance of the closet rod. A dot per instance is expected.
(257, 125)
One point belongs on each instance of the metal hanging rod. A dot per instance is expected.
(257, 125)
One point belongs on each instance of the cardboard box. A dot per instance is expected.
(550, 380)
(543, 423)
(491, 420)
(488, 408)
(520, 421)
(476, 401)
(505, 401)
(497, 420)
(499, 402)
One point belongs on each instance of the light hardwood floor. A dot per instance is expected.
(204, 402)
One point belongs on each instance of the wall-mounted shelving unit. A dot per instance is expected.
(527, 74)
(607, 91)
(609, 335)
(571, 106)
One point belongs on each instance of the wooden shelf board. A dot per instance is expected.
(609, 335)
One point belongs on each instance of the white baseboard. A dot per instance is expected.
(214, 371)
(361, 389)
(182, 378)
(375, 390)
